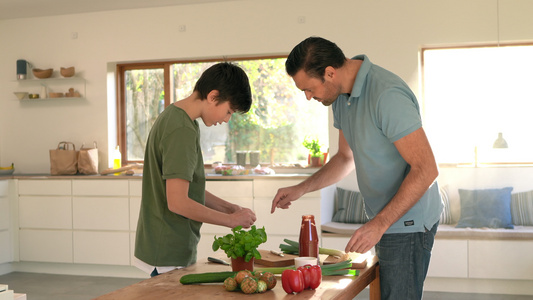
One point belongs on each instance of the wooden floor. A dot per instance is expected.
(66, 287)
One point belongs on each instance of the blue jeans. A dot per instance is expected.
(403, 263)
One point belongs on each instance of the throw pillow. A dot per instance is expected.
(446, 215)
(522, 208)
(349, 207)
(486, 208)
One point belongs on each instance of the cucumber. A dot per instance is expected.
(206, 277)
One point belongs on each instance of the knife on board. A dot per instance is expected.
(218, 261)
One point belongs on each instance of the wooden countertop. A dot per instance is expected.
(139, 176)
(167, 286)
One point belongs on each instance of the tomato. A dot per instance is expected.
(312, 276)
(292, 281)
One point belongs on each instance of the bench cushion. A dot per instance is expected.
(446, 231)
(486, 208)
(349, 207)
(522, 208)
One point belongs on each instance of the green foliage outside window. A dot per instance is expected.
(279, 119)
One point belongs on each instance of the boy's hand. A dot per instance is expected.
(244, 217)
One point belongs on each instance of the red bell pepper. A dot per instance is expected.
(292, 281)
(312, 276)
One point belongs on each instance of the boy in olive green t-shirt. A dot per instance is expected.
(174, 200)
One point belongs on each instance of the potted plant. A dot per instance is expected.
(241, 246)
(314, 151)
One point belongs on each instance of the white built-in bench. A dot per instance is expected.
(445, 231)
(473, 260)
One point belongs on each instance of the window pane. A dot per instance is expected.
(144, 99)
(277, 123)
(471, 95)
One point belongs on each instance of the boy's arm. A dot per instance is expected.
(220, 204)
(179, 202)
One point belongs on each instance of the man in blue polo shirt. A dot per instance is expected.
(381, 136)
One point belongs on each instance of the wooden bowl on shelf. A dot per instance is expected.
(56, 95)
(67, 72)
(42, 74)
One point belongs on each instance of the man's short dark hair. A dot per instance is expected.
(313, 55)
(230, 81)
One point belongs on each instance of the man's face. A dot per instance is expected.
(325, 92)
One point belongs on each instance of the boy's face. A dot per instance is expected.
(217, 113)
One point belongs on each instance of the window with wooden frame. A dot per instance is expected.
(277, 124)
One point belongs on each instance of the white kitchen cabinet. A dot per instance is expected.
(45, 245)
(4, 205)
(205, 245)
(5, 235)
(135, 208)
(449, 258)
(231, 188)
(5, 246)
(114, 187)
(101, 213)
(45, 187)
(34, 212)
(74, 221)
(93, 221)
(45, 220)
(135, 187)
(135, 191)
(102, 247)
(490, 259)
(135, 202)
(101, 221)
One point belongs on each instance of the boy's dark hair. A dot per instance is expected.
(313, 55)
(230, 81)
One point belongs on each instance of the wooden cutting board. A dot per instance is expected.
(269, 259)
(358, 260)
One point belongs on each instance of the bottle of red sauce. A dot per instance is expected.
(308, 237)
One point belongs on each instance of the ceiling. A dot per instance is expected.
(14, 9)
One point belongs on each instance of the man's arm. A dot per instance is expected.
(416, 151)
(340, 165)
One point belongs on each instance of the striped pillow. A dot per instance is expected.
(522, 208)
(446, 215)
(349, 207)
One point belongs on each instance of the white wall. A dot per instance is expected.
(391, 32)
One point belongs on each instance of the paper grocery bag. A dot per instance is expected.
(88, 160)
(64, 160)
